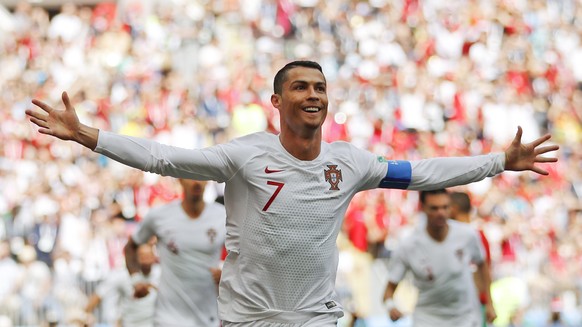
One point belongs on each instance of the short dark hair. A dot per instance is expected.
(424, 194)
(462, 201)
(281, 75)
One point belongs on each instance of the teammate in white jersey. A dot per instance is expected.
(286, 195)
(133, 312)
(461, 212)
(439, 256)
(190, 236)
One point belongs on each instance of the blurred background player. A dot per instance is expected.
(461, 211)
(190, 237)
(132, 311)
(439, 257)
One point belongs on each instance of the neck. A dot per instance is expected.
(146, 270)
(438, 233)
(463, 217)
(303, 147)
(193, 207)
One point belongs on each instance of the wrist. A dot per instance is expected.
(87, 136)
(389, 304)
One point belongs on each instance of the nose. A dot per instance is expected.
(313, 95)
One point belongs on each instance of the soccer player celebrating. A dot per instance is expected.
(286, 195)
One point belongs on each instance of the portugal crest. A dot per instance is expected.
(333, 176)
(211, 234)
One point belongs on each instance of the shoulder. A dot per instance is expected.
(411, 239)
(460, 228)
(215, 206)
(215, 213)
(255, 139)
(161, 210)
(346, 150)
(340, 146)
(241, 149)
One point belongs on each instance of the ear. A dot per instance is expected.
(276, 100)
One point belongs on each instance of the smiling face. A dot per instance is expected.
(302, 103)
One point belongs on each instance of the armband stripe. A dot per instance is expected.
(398, 176)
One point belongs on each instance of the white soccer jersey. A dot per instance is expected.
(442, 273)
(284, 214)
(187, 248)
(133, 312)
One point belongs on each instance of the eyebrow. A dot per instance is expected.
(439, 206)
(300, 81)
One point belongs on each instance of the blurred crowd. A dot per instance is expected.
(408, 79)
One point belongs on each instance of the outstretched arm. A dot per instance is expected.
(63, 124)
(201, 164)
(446, 172)
(520, 156)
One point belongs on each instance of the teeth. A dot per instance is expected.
(311, 109)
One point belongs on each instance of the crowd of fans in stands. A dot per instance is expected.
(407, 79)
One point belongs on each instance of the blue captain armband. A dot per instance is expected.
(398, 175)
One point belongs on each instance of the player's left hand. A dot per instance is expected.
(519, 156)
(490, 314)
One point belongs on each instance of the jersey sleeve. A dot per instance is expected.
(486, 246)
(398, 265)
(217, 163)
(145, 230)
(437, 173)
(476, 248)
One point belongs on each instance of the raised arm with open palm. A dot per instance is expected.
(65, 125)
(519, 156)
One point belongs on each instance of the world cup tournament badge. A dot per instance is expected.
(333, 176)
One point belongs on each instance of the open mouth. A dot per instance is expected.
(311, 109)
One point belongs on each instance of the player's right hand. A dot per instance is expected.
(63, 124)
(141, 290)
(216, 274)
(395, 314)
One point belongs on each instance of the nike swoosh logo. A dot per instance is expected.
(270, 171)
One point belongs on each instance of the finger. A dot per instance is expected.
(39, 122)
(66, 101)
(45, 131)
(545, 149)
(546, 160)
(517, 138)
(541, 140)
(540, 171)
(42, 105)
(36, 114)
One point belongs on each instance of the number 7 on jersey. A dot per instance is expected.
(279, 187)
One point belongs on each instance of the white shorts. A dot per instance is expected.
(322, 320)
